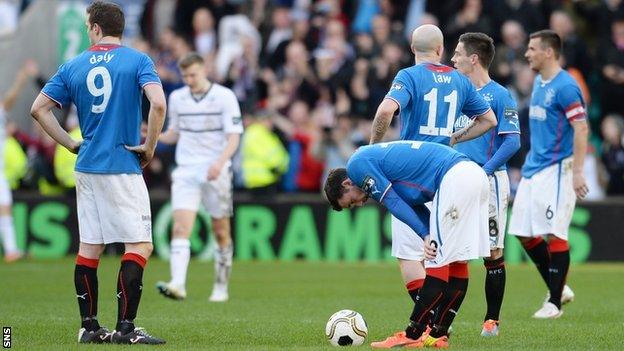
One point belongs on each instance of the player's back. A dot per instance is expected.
(414, 168)
(554, 105)
(105, 83)
(431, 97)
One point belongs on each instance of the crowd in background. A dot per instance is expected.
(309, 75)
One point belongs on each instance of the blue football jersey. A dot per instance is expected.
(431, 97)
(555, 104)
(106, 84)
(504, 106)
(414, 169)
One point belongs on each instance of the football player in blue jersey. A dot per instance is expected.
(106, 83)
(473, 56)
(427, 97)
(403, 176)
(552, 174)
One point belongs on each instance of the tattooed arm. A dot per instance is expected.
(478, 127)
(382, 120)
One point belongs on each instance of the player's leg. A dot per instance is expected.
(464, 225)
(521, 225)
(413, 273)
(87, 261)
(180, 254)
(217, 199)
(558, 239)
(7, 230)
(125, 217)
(185, 198)
(223, 259)
(407, 247)
(495, 273)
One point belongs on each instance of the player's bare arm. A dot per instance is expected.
(155, 120)
(41, 111)
(233, 140)
(170, 137)
(580, 149)
(28, 70)
(382, 120)
(475, 129)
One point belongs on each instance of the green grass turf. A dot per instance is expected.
(281, 305)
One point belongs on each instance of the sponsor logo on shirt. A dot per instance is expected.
(368, 186)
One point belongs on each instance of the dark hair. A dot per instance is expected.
(549, 39)
(190, 59)
(108, 16)
(481, 45)
(333, 187)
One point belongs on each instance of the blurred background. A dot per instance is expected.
(309, 75)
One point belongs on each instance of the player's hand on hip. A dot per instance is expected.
(214, 170)
(580, 186)
(75, 147)
(145, 153)
(431, 248)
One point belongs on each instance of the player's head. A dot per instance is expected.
(473, 49)
(193, 70)
(427, 40)
(544, 49)
(104, 19)
(341, 192)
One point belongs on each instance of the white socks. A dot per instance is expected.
(179, 261)
(223, 264)
(8, 235)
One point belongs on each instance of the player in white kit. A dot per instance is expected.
(205, 121)
(9, 244)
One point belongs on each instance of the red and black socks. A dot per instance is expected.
(537, 249)
(559, 265)
(452, 300)
(85, 280)
(129, 287)
(428, 298)
(495, 276)
(413, 287)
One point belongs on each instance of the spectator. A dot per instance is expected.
(510, 53)
(612, 128)
(205, 38)
(574, 50)
(613, 70)
(335, 145)
(262, 167)
(469, 19)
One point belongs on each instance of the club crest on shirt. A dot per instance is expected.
(368, 186)
(548, 97)
(488, 97)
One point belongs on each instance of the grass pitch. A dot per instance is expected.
(282, 305)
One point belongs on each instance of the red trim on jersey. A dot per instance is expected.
(103, 47)
(89, 262)
(557, 245)
(458, 270)
(129, 256)
(439, 68)
(441, 273)
(414, 284)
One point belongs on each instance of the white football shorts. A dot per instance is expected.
(544, 203)
(191, 187)
(497, 209)
(113, 208)
(459, 216)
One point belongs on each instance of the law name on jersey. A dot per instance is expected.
(439, 78)
(106, 57)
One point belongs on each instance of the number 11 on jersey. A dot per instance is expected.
(430, 128)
